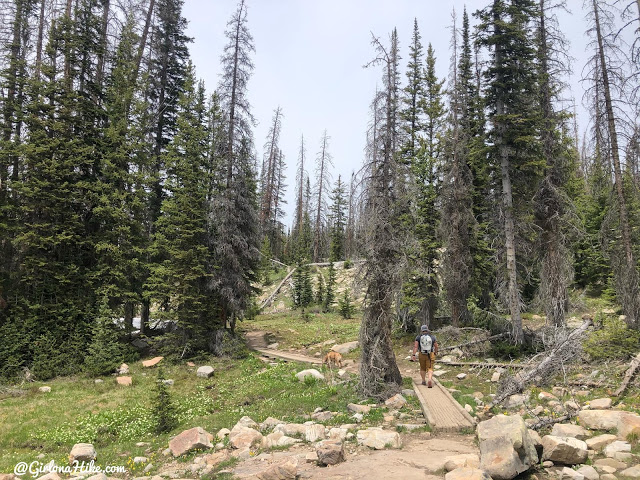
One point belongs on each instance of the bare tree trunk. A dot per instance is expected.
(628, 278)
(141, 47)
(318, 223)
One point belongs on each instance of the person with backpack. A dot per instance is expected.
(427, 344)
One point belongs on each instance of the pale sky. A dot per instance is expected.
(309, 58)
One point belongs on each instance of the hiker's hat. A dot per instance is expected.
(424, 328)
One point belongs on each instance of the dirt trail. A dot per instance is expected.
(422, 456)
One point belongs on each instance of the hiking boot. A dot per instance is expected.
(424, 383)
(430, 385)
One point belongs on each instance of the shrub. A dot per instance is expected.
(164, 413)
(345, 306)
(615, 340)
(104, 354)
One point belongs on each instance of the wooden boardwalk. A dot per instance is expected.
(440, 409)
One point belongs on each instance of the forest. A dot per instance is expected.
(129, 189)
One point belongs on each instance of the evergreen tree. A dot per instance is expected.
(104, 353)
(182, 239)
(164, 411)
(345, 307)
(338, 221)
(320, 292)
(331, 288)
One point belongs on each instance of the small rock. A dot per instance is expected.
(188, 440)
(191, 364)
(515, 401)
(311, 372)
(570, 474)
(357, 408)
(273, 346)
(396, 402)
(123, 369)
(205, 371)
(223, 432)
(559, 391)
(453, 462)
(138, 460)
(285, 470)
(632, 472)
(407, 392)
(547, 464)
(601, 441)
(330, 452)
(410, 426)
(478, 395)
(44, 389)
(314, 432)
(378, 439)
(124, 380)
(311, 457)
(467, 473)
(439, 373)
(461, 376)
(82, 452)
(270, 422)
(546, 396)
(322, 416)
(152, 362)
(148, 468)
(589, 472)
(616, 447)
(98, 380)
(168, 382)
(246, 422)
(495, 377)
(244, 437)
(468, 408)
(600, 403)
(571, 406)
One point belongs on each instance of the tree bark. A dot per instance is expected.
(40, 40)
(635, 363)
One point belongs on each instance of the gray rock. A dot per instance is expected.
(601, 441)
(588, 472)
(632, 472)
(600, 403)
(569, 430)
(330, 452)
(188, 440)
(311, 372)
(506, 449)
(169, 382)
(357, 408)
(244, 437)
(569, 474)
(378, 439)
(82, 452)
(137, 460)
(565, 450)
(246, 422)
(470, 460)
(515, 401)
(461, 376)
(205, 371)
(467, 473)
(616, 447)
(322, 416)
(495, 377)
(44, 389)
(396, 402)
(408, 392)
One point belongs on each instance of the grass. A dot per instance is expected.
(115, 418)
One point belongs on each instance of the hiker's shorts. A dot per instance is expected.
(427, 361)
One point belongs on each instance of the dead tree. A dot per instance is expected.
(564, 350)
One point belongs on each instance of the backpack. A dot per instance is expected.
(426, 343)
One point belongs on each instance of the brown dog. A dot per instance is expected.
(333, 358)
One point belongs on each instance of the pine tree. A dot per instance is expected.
(511, 96)
(164, 412)
(337, 221)
(104, 353)
(321, 290)
(331, 288)
(182, 240)
(345, 307)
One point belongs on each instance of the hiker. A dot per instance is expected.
(428, 346)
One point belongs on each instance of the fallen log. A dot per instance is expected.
(485, 364)
(474, 342)
(270, 298)
(633, 366)
(562, 351)
(551, 421)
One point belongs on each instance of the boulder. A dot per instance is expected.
(270, 422)
(314, 432)
(188, 440)
(565, 450)
(330, 452)
(609, 463)
(44, 389)
(396, 402)
(537, 441)
(82, 452)
(322, 416)
(124, 381)
(338, 433)
(600, 403)
(246, 422)
(632, 472)
(378, 439)
(205, 371)
(588, 472)
(600, 419)
(601, 441)
(628, 423)
(462, 460)
(506, 449)
(467, 473)
(285, 470)
(311, 372)
(244, 437)
(616, 447)
(569, 430)
(345, 347)
(357, 408)
(152, 362)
